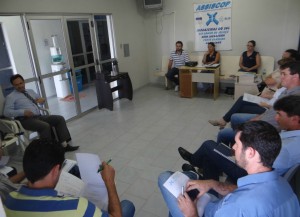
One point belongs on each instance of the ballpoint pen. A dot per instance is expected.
(101, 167)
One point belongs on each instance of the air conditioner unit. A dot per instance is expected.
(153, 4)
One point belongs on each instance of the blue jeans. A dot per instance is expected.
(127, 207)
(169, 198)
(241, 106)
(171, 75)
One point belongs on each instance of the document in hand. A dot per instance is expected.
(254, 99)
(95, 190)
(225, 151)
(174, 185)
(69, 185)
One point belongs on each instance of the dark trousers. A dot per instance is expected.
(43, 125)
(171, 75)
(241, 106)
(213, 164)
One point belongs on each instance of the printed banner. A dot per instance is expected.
(213, 24)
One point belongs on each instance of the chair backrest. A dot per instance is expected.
(267, 65)
(164, 63)
(293, 177)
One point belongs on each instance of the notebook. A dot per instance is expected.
(225, 151)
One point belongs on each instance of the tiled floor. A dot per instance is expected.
(142, 137)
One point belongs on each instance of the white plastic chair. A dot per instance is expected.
(14, 127)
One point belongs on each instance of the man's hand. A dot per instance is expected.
(108, 173)
(28, 113)
(187, 206)
(203, 186)
(40, 100)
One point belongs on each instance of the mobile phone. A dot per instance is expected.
(193, 193)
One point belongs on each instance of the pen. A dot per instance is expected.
(101, 167)
(182, 190)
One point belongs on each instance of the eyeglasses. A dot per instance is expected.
(249, 45)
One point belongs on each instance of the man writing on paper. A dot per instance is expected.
(42, 164)
(23, 105)
(261, 193)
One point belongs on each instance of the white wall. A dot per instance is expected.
(273, 24)
(128, 24)
(18, 51)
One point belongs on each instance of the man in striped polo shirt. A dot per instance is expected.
(177, 59)
(42, 165)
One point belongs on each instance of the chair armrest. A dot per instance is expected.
(14, 125)
(44, 111)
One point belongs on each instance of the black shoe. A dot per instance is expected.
(70, 148)
(185, 154)
(188, 167)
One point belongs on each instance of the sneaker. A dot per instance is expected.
(176, 88)
(188, 167)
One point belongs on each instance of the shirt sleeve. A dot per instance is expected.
(282, 162)
(9, 108)
(186, 57)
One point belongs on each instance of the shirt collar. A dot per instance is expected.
(291, 133)
(294, 89)
(257, 178)
(38, 192)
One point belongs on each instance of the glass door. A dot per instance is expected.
(63, 49)
(52, 63)
(81, 45)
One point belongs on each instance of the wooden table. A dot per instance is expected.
(189, 76)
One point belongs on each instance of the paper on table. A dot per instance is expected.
(4, 160)
(175, 182)
(95, 189)
(69, 185)
(211, 65)
(254, 99)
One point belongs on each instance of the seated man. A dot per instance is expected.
(22, 105)
(177, 59)
(261, 193)
(241, 106)
(288, 117)
(290, 79)
(42, 165)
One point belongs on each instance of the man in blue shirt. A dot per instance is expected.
(177, 59)
(288, 117)
(23, 105)
(261, 193)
